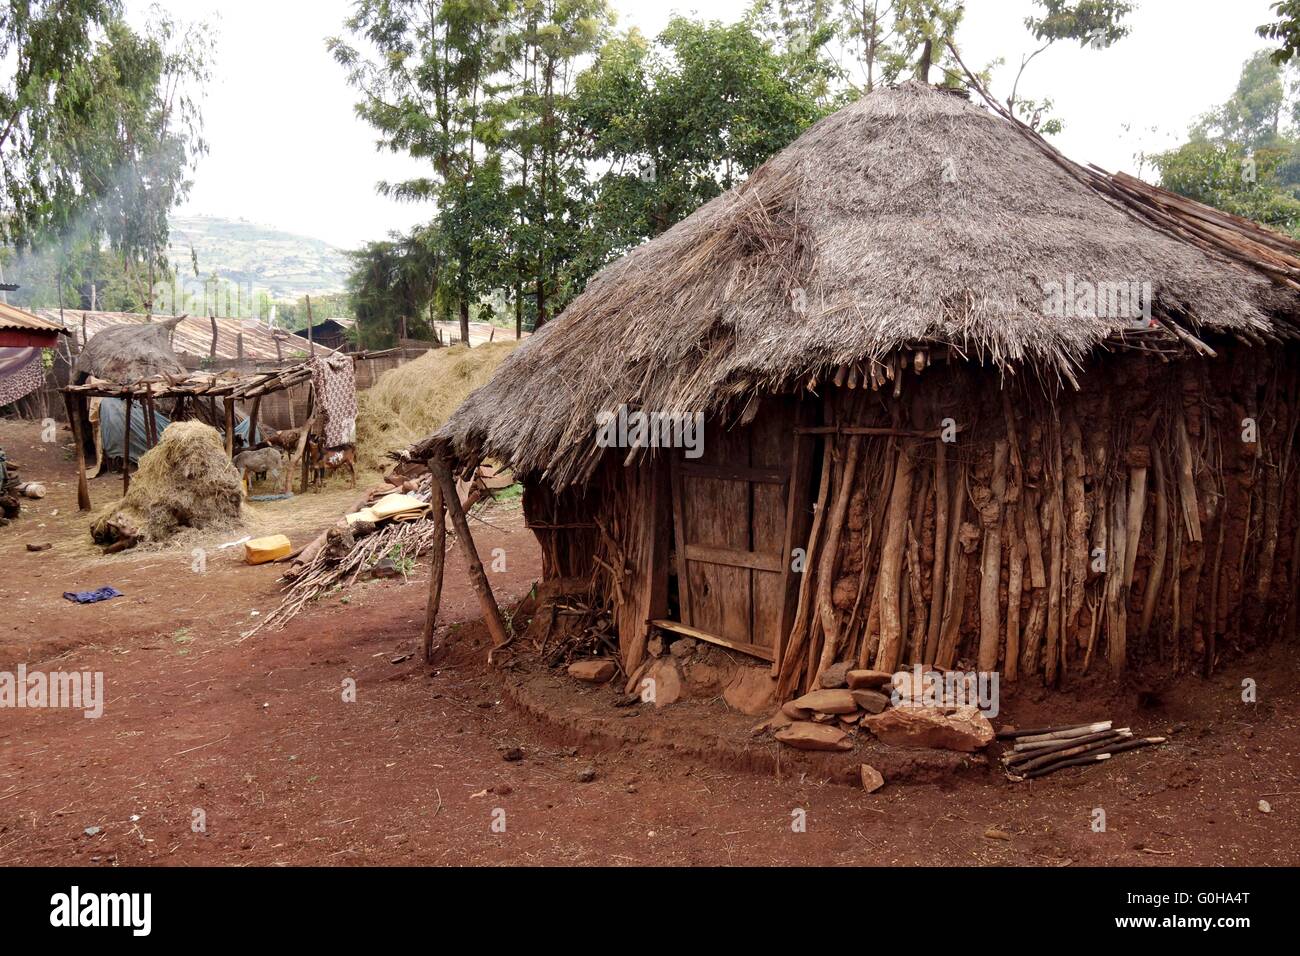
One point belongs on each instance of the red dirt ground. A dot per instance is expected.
(257, 736)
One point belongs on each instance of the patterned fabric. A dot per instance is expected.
(21, 373)
(334, 380)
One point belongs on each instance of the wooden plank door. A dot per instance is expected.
(733, 524)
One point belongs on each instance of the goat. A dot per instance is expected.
(263, 461)
(324, 460)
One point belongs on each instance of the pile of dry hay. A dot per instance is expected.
(185, 481)
(412, 401)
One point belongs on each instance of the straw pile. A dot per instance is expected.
(185, 481)
(409, 402)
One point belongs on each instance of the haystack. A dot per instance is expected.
(186, 481)
(409, 402)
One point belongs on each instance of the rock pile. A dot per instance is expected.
(827, 719)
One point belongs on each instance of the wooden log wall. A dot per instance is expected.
(1059, 532)
(1151, 516)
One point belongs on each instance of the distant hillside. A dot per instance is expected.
(282, 263)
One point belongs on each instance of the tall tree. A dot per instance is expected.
(101, 127)
(423, 71)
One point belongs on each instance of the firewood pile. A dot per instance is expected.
(577, 628)
(1038, 752)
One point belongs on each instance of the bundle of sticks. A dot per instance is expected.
(1045, 750)
(342, 561)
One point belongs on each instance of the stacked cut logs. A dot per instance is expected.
(1036, 753)
(961, 518)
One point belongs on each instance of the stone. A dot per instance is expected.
(667, 686)
(512, 754)
(835, 676)
(752, 690)
(850, 719)
(872, 701)
(775, 722)
(827, 702)
(871, 778)
(803, 735)
(704, 680)
(683, 647)
(593, 672)
(868, 680)
(586, 774)
(913, 685)
(794, 712)
(633, 685)
(959, 728)
(824, 718)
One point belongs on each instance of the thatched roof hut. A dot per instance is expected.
(128, 353)
(938, 361)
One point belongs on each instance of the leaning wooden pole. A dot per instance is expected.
(491, 613)
(439, 560)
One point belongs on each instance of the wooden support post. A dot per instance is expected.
(252, 421)
(212, 352)
(126, 448)
(74, 405)
(491, 613)
(311, 340)
(436, 564)
(306, 436)
(229, 404)
(150, 423)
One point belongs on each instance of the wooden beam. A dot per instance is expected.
(735, 558)
(229, 404)
(679, 528)
(436, 564)
(491, 613)
(753, 650)
(74, 405)
(126, 448)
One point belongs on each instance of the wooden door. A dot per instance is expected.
(736, 512)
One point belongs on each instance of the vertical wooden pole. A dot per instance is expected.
(150, 424)
(252, 421)
(491, 613)
(73, 405)
(436, 564)
(126, 447)
(311, 340)
(306, 434)
(229, 404)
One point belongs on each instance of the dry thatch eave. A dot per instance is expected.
(909, 217)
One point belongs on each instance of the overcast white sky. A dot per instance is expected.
(286, 150)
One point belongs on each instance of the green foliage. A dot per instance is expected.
(100, 126)
(1098, 23)
(1244, 156)
(1285, 29)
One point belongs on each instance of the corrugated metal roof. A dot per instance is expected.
(12, 317)
(193, 336)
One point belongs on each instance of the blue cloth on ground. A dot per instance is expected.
(90, 597)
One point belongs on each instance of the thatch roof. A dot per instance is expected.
(911, 216)
(127, 353)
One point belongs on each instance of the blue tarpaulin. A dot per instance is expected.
(112, 411)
